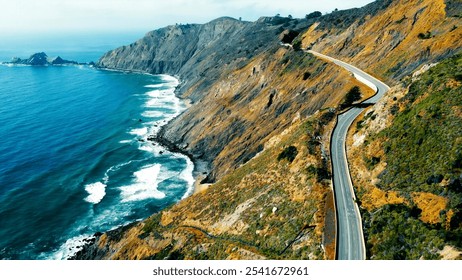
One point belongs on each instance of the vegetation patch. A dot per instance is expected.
(394, 232)
(425, 138)
(371, 162)
(289, 153)
(421, 162)
(425, 36)
(354, 94)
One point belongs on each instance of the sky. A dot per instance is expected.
(64, 27)
(99, 16)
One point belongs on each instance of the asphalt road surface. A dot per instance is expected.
(350, 237)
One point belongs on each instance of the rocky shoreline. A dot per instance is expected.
(90, 250)
(201, 166)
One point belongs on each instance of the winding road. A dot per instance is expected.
(350, 237)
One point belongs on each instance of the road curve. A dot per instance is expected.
(350, 237)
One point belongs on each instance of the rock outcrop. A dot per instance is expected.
(42, 59)
(200, 55)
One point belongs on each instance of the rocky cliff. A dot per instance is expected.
(199, 53)
(260, 119)
(208, 57)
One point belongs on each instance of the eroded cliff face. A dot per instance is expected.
(226, 64)
(199, 53)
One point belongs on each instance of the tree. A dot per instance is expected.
(314, 14)
(297, 45)
(289, 153)
(354, 94)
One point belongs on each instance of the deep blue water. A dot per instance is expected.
(74, 158)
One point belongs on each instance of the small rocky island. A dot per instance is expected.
(42, 59)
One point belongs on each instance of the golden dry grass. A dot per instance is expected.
(431, 206)
(390, 39)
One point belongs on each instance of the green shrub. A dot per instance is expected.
(359, 125)
(327, 117)
(354, 94)
(371, 162)
(297, 45)
(314, 14)
(289, 153)
(322, 173)
(306, 75)
(458, 76)
(425, 36)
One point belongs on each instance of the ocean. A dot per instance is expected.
(74, 155)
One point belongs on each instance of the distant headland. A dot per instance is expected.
(42, 59)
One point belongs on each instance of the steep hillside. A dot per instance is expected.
(373, 48)
(245, 108)
(274, 202)
(259, 124)
(407, 166)
(226, 64)
(392, 42)
(273, 207)
(199, 53)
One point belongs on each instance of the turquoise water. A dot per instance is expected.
(74, 159)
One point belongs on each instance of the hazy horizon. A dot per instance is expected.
(28, 17)
(82, 47)
(57, 26)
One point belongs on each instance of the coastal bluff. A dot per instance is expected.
(199, 53)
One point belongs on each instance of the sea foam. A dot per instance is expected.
(172, 81)
(96, 192)
(153, 114)
(154, 86)
(139, 131)
(145, 185)
(187, 175)
(70, 248)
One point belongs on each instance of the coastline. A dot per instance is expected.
(201, 167)
(200, 187)
(200, 170)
